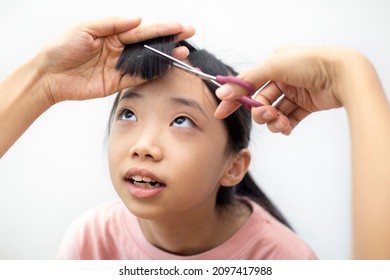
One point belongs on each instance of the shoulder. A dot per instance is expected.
(104, 215)
(273, 240)
(94, 233)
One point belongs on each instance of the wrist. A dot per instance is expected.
(359, 83)
(22, 101)
(26, 88)
(39, 83)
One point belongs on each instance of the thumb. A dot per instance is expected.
(110, 25)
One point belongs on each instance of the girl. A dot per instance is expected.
(182, 175)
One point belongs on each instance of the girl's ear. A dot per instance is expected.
(237, 168)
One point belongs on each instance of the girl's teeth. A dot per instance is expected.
(137, 178)
(145, 179)
(140, 179)
(144, 184)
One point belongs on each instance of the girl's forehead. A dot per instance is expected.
(176, 83)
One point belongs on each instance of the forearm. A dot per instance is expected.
(369, 117)
(22, 101)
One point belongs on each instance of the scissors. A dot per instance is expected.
(218, 80)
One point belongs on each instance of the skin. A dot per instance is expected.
(312, 79)
(168, 129)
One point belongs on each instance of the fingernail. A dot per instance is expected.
(223, 92)
(267, 115)
(279, 125)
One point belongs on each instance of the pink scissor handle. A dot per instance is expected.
(249, 102)
(234, 80)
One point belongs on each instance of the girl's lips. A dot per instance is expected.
(143, 183)
(138, 174)
(142, 192)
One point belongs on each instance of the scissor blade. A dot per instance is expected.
(183, 66)
(168, 57)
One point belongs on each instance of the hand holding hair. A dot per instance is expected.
(310, 79)
(85, 57)
(78, 65)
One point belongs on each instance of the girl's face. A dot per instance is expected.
(167, 152)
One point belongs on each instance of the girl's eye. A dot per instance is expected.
(183, 122)
(127, 115)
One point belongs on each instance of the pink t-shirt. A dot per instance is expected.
(113, 232)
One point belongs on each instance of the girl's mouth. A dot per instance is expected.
(144, 182)
(143, 186)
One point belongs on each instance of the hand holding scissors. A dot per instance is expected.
(218, 80)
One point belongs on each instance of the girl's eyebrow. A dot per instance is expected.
(129, 95)
(189, 103)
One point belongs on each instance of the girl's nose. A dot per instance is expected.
(146, 148)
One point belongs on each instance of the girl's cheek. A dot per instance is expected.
(113, 150)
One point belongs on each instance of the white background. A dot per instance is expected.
(58, 168)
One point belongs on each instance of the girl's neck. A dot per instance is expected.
(190, 234)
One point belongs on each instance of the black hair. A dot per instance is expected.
(136, 60)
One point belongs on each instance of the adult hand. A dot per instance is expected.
(80, 64)
(304, 80)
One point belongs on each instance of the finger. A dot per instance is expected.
(285, 124)
(145, 32)
(287, 131)
(264, 114)
(126, 81)
(269, 94)
(180, 53)
(187, 32)
(281, 124)
(111, 25)
(296, 116)
(286, 106)
(229, 92)
(225, 108)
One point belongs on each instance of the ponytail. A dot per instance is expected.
(247, 187)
